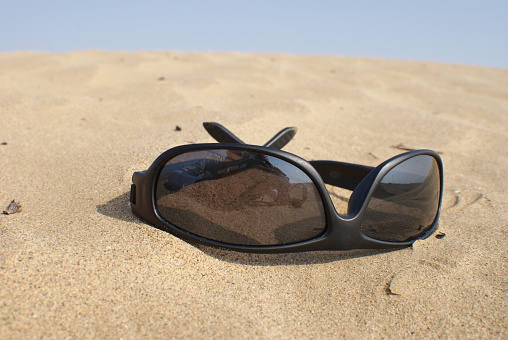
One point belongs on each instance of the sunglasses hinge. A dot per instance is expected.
(133, 194)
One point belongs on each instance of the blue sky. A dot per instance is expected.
(451, 31)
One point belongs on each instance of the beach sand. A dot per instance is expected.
(75, 262)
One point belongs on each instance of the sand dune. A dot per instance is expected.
(74, 262)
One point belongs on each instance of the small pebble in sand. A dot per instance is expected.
(12, 208)
(440, 235)
(4, 143)
(177, 128)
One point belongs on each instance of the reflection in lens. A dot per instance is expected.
(405, 202)
(239, 197)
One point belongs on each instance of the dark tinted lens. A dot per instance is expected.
(239, 197)
(405, 202)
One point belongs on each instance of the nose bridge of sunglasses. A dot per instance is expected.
(342, 175)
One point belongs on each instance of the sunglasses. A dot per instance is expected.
(261, 199)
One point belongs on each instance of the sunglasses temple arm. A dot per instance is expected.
(342, 175)
(281, 138)
(223, 135)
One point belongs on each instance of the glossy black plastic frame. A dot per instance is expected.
(342, 232)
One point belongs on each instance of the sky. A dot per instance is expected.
(450, 31)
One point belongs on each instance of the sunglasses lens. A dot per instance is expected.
(405, 203)
(239, 197)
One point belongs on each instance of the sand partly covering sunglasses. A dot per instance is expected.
(260, 199)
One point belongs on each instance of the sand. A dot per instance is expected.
(75, 263)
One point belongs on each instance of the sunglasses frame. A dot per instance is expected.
(341, 232)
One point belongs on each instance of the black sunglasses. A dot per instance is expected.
(261, 199)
